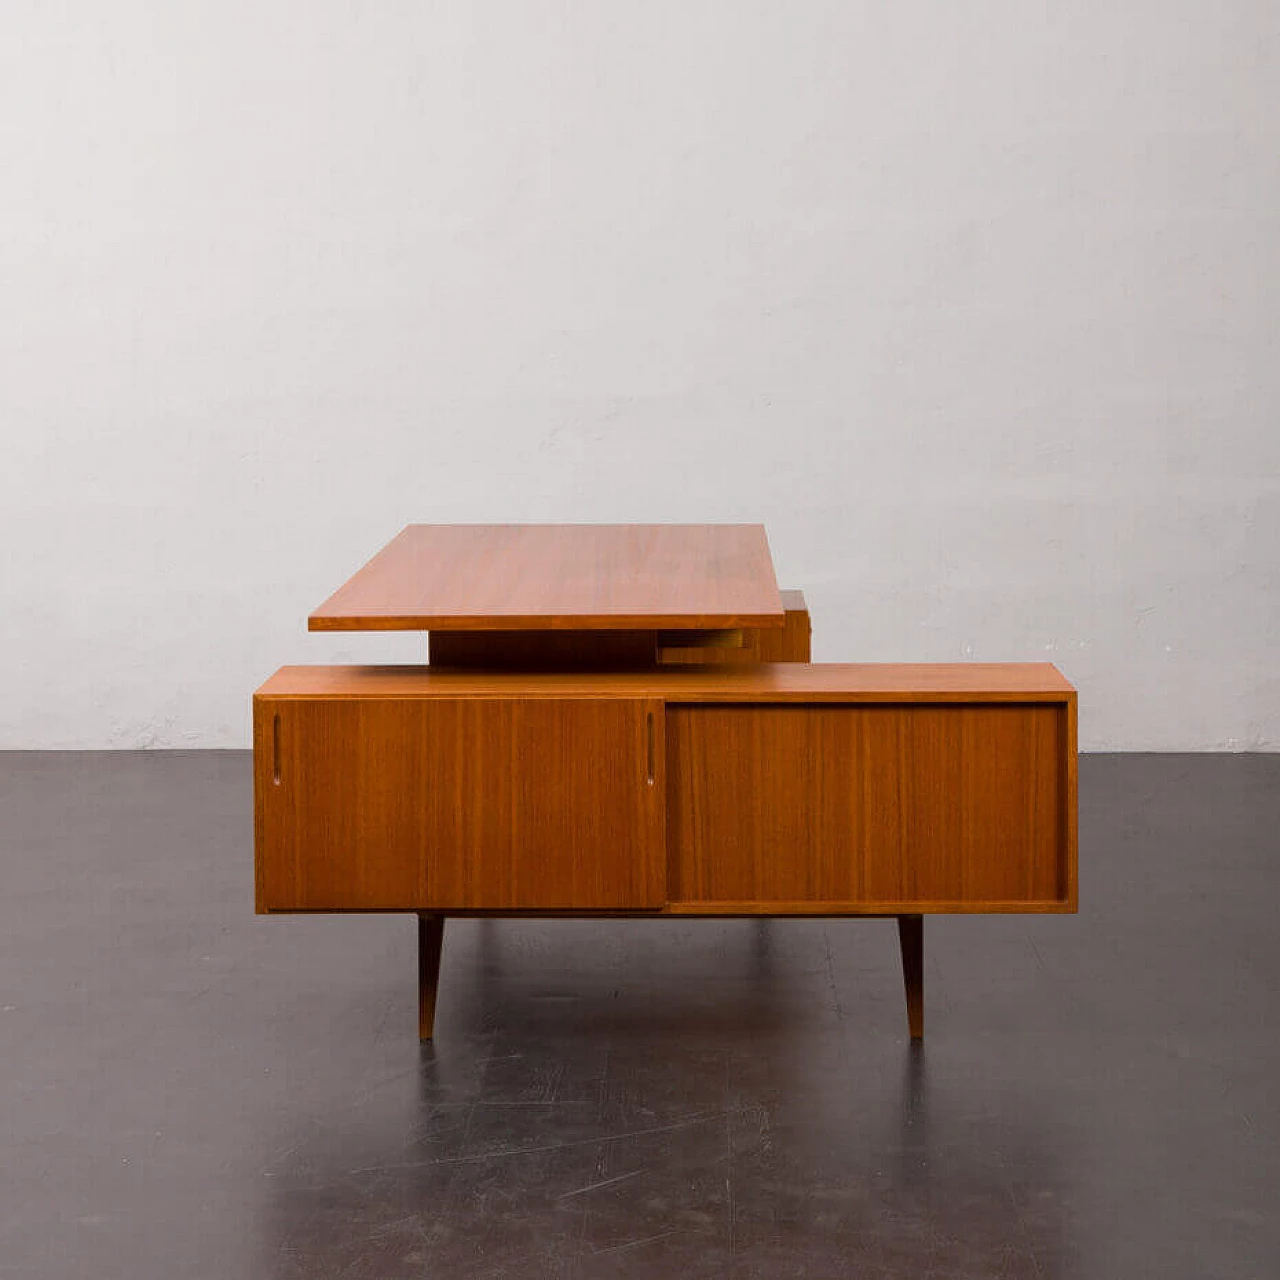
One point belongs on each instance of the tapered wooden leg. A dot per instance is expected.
(430, 941)
(911, 942)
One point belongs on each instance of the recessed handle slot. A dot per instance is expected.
(275, 750)
(651, 747)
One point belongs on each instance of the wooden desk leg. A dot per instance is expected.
(430, 941)
(911, 943)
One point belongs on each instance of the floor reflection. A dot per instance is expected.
(704, 1096)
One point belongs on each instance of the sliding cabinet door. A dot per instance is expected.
(911, 807)
(478, 804)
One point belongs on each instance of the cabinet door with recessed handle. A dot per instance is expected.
(484, 804)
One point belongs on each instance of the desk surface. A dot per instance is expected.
(560, 577)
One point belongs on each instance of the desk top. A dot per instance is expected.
(567, 577)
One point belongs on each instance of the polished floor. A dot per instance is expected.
(188, 1090)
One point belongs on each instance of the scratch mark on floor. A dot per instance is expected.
(567, 1102)
(831, 974)
(554, 1146)
(635, 1244)
(606, 1182)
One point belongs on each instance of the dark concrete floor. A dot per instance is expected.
(189, 1090)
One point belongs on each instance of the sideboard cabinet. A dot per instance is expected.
(765, 789)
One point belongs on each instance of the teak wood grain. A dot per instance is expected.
(788, 643)
(888, 805)
(775, 790)
(625, 650)
(560, 577)
(794, 642)
(766, 682)
(491, 804)
(623, 720)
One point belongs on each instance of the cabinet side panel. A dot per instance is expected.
(866, 804)
(262, 855)
(496, 804)
(793, 642)
(1069, 882)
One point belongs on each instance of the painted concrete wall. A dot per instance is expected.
(974, 305)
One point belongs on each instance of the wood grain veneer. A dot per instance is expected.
(766, 682)
(747, 645)
(781, 789)
(906, 805)
(793, 642)
(448, 803)
(560, 577)
(623, 720)
(620, 650)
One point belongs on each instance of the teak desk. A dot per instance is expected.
(622, 720)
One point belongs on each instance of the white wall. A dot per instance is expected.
(974, 305)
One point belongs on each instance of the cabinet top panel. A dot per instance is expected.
(500, 577)
(767, 682)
